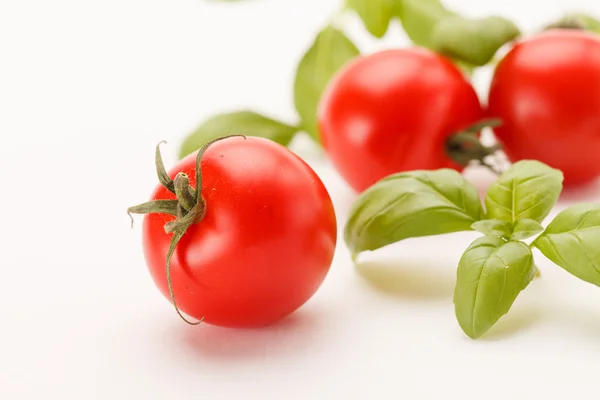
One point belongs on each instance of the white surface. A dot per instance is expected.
(86, 91)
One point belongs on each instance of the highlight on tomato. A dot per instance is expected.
(546, 91)
(238, 234)
(400, 110)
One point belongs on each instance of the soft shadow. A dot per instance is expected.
(586, 320)
(591, 325)
(516, 321)
(293, 334)
(409, 279)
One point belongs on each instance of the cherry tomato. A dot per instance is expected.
(393, 111)
(264, 245)
(546, 91)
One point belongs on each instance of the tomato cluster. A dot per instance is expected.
(242, 232)
(396, 110)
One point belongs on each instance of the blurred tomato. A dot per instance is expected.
(392, 111)
(546, 91)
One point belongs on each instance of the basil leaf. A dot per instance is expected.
(589, 23)
(330, 51)
(521, 229)
(493, 227)
(491, 274)
(419, 18)
(577, 21)
(375, 14)
(411, 204)
(527, 190)
(571, 241)
(475, 41)
(525, 228)
(246, 123)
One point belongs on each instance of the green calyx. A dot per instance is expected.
(464, 146)
(189, 208)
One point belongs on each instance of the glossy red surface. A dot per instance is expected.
(266, 242)
(547, 92)
(392, 111)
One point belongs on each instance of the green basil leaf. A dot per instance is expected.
(467, 68)
(525, 228)
(419, 18)
(375, 14)
(330, 51)
(577, 21)
(491, 274)
(521, 229)
(493, 227)
(589, 23)
(527, 190)
(246, 123)
(572, 241)
(411, 204)
(475, 41)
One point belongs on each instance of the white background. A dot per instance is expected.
(87, 89)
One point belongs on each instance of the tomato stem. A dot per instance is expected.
(183, 191)
(491, 167)
(155, 206)
(464, 146)
(189, 208)
(163, 177)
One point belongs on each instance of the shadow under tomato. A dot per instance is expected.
(412, 279)
(293, 334)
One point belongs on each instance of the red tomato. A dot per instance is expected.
(263, 247)
(546, 90)
(392, 111)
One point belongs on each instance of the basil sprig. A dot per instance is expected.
(495, 268)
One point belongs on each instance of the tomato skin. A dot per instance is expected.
(265, 244)
(392, 111)
(546, 90)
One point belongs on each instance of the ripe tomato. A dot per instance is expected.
(546, 91)
(393, 111)
(264, 245)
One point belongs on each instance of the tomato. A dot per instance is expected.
(264, 245)
(546, 91)
(393, 111)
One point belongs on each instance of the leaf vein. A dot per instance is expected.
(587, 254)
(432, 186)
(496, 202)
(382, 210)
(476, 296)
(535, 204)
